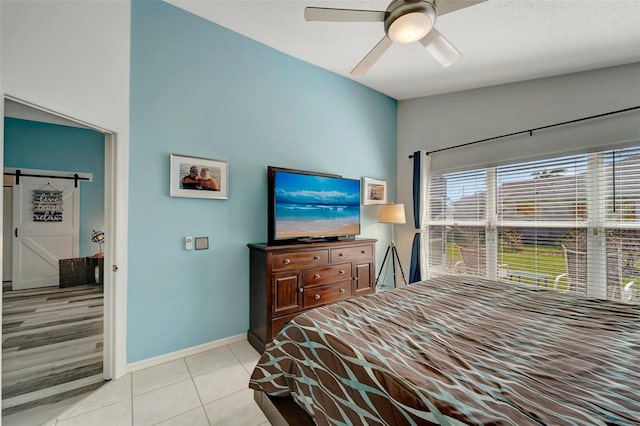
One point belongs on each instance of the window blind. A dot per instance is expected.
(457, 217)
(620, 185)
(541, 221)
(570, 222)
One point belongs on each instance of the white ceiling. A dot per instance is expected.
(501, 41)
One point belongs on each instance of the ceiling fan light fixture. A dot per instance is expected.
(410, 27)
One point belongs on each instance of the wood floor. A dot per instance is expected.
(51, 345)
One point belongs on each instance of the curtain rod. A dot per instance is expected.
(18, 173)
(530, 131)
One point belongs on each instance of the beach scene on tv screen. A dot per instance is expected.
(316, 206)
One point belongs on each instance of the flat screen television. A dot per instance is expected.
(307, 206)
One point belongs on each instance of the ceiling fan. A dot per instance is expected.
(405, 21)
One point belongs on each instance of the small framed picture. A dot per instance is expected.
(198, 177)
(374, 191)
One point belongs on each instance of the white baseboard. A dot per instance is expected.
(172, 356)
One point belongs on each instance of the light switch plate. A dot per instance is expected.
(202, 243)
(188, 243)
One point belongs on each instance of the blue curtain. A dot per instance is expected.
(414, 270)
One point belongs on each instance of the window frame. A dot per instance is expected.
(590, 214)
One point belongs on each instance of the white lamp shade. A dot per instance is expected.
(392, 213)
(410, 27)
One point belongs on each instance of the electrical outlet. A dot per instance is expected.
(188, 243)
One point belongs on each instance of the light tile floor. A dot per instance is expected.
(209, 388)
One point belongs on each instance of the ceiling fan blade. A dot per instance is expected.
(342, 15)
(440, 48)
(371, 58)
(447, 6)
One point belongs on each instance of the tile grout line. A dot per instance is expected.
(87, 412)
(191, 377)
(165, 386)
(197, 393)
(184, 359)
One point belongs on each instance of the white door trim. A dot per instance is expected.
(116, 219)
(7, 227)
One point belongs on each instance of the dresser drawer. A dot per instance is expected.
(351, 253)
(321, 295)
(297, 260)
(326, 274)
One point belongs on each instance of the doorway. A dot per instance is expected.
(88, 294)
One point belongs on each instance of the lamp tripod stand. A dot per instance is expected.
(391, 250)
(391, 214)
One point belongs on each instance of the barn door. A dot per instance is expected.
(46, 216)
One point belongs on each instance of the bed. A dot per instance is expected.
(460, 350)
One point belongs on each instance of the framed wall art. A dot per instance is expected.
(197, 177)
(374, 191)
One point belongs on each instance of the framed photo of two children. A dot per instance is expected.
(197, 177)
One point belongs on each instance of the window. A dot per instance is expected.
(458, 212)
(572, 223)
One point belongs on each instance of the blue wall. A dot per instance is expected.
(36, 145)
(198, 89)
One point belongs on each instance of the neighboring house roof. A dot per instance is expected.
(550, 198)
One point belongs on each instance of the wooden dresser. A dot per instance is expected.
(289, 279)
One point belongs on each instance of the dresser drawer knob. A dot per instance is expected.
(316, 276)
(317, 297)
(340, 254)
(286, 261)
(316, 257)
(301, 290)
(363, 252)
(341, 290)
(341, 271)
(355, 278)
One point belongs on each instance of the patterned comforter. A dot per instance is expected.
(455, 350)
